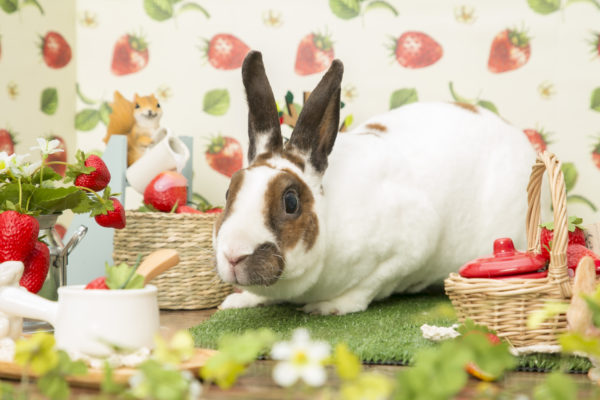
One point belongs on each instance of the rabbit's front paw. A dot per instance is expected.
(243, 300)
(339, 306)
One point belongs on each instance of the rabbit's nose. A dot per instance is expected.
(235, 260)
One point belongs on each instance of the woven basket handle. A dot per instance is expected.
(557, 272)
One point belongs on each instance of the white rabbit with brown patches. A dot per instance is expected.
(393, 206)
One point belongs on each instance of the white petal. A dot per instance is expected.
(318, 351)
(314, 375)
(301, 336)
(42, 143)
(285, 374)
(281, 351)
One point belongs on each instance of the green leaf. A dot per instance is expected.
(216, 102)
(159, 10)
(123, 276)
(192, 7)
(105, 111)
(160, 382)
(345, 9)
(557, 386)
(34, 3)
(49, 101)
(489, 105)
(47, 174)
(86, 119)
(577, 199)
(108, 384)
(402, 97)
(570, 173)
(38, 352)
(347, 364)
(383, 5)
(456, 96)
(595, 3)
(82, 97)
(54, 387)
(544, 6)
(53, 200)
(9, 6)
(549, 310)
(595, 101)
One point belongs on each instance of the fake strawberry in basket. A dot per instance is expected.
(166, 191)
(576, 235)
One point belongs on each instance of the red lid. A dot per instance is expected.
(505, 261)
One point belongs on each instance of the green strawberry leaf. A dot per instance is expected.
(557, 386)
(570, 173)
(192, 7)
(147, 208)
(489, 105)
(53, 200)
(9, 6)
(595, 101)
(345, 9)
(46, 174)
(105, 111)
(87, 119)
(109, 385)
(123, 276)
(381, 5)
(402, 97)
(216, 102)
(82, 97)
(49, 101)
(544, 6)
(577, 199)
(159, 10)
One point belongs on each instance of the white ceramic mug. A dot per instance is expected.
(168, 153)
(91, 321)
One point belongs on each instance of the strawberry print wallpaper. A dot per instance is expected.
(534, 62)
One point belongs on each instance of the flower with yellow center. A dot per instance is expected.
(300, 358)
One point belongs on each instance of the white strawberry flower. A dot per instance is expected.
(300, 358)
(47, 147)
(5, 161)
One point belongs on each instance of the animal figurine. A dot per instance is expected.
(333, 222)
(139, 120)
(11, 326)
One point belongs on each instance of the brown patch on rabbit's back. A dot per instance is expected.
(290, 229)
(376, 127)
(234, 188)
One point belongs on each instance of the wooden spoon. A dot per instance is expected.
(156, 263)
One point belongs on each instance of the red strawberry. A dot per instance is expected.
(98, 283)
(18, 235)
(576, 235)
(537, 138)
(596, 154)
(314, 54)
(36, 268)
(225, 51)
(224, 154)
(416, 50)
(113, 219)
(129, 55)
(61, 230)
(60, 156)
(510, 50)
(166, 190)
(576, 252)
(187, 209)
(214, 210)
(7, 141)
(55, 50)
(96, 180)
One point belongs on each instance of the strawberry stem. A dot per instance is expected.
(134, 269)
(91, 191)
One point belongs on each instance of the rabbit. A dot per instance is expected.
(333, 222)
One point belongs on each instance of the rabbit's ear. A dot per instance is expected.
(318, 123)
(263, 121)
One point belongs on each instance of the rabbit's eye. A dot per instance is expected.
(291, 202)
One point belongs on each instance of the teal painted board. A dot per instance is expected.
(188, 170)
(87, 260)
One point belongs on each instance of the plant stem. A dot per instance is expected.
(44, 157)
(20, 193)
(91, 191)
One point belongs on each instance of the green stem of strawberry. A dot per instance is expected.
(91, 191)
(135, 267)
(20, 193)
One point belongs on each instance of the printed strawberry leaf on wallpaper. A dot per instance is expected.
(162, 10)
(216, 102)
(402, 97)
(595, 101)
(9, 6)
(487, 104)
(192, 7)
(87, 119)
(473, 102)
(105, 111)
(544, 6)
(348, 9)
(570, 175)
(34, 3)
(49, 101)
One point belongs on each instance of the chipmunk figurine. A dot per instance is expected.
(139, 120)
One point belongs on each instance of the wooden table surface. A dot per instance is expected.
(257, 382)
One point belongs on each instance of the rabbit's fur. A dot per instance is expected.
(395, 206)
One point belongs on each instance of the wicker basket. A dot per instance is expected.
(504, 305)
(193, 283)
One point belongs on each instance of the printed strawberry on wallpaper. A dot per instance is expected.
(7, 141)
(571, 175)
(349, 9)
(596, 153)
(225, 51)
(538, 138)
(315, 54)
(216, 102)
(88, 118)
(162, 10)
(49, 101)
(56, 51)
(224, 154)
(130, 55)
(415, 50)
(510, 50)
(12, 6)
(289, 114)
(472, 102)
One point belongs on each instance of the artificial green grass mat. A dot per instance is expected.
(388, 332)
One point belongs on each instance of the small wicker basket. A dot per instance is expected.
(193, 283)
(505, 304)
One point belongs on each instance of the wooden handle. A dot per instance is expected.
(557, 271)
(157, 262)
